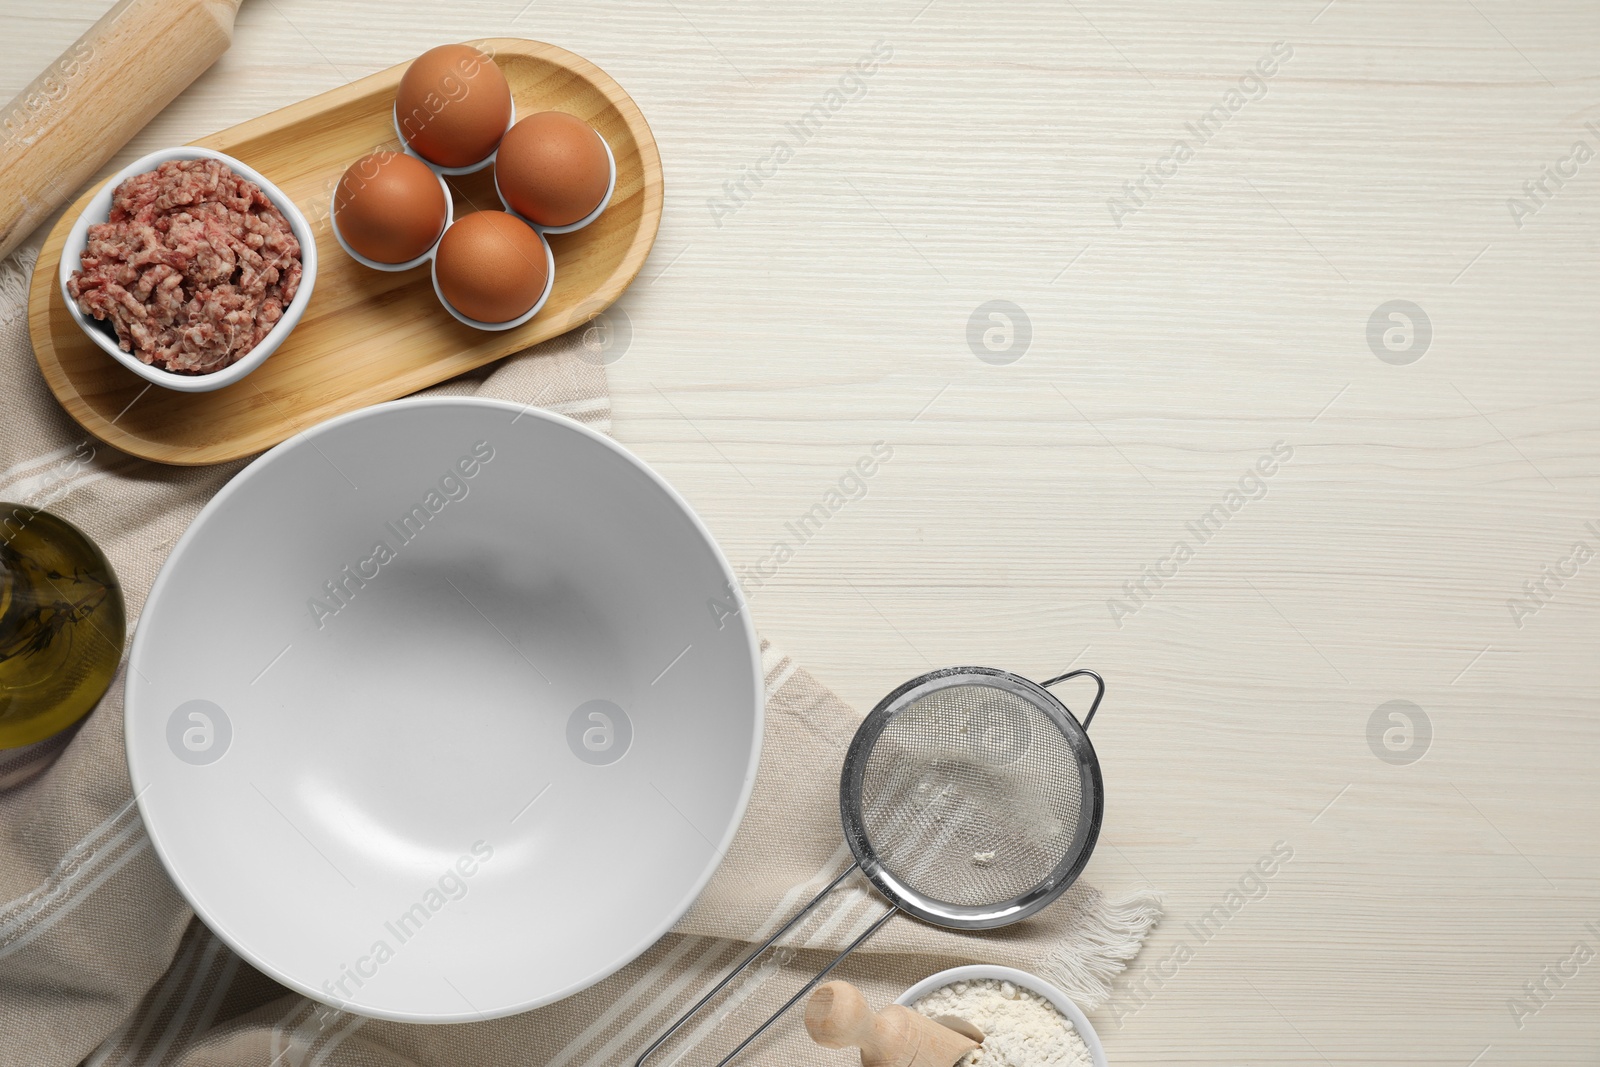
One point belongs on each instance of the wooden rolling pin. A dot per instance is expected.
(837, 1016)
(63, 127)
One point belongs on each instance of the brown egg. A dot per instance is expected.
(491, 266)
(552, 168)
(453, 105)
(389, 207)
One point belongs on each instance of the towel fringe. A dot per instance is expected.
(15, 273)
(1113, 930)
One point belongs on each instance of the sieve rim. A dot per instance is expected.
(933, 910)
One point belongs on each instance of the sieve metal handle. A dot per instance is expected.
(808, 987)
(1099, 695)
(794, 920)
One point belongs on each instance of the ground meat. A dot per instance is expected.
(193, 268)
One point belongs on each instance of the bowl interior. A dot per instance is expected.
(432, 638)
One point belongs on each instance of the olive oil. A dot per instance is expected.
(62, 625)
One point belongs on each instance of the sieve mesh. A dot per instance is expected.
(973, 795)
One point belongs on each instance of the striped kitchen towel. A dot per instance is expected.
(102, 961)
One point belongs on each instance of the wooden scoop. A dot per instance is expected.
(97, 94)
(837, 1016)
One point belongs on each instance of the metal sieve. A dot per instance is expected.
(970, 798)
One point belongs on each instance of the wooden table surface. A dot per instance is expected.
(1179, 320)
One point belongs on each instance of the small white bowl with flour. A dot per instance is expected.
(1020, 1030)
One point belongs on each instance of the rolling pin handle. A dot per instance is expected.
(101, 91)
(837, 1016)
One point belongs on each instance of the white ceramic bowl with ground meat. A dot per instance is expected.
(985, 972)
(102, 334)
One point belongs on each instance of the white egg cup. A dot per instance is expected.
(549, 284)
(1022, 979)
(449, 217)
(611, 187)
(99, 210)
(488, 160)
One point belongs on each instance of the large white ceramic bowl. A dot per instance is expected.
(443, 710)
(99, 210)
(982, 971)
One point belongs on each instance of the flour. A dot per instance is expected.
(1020, 1028)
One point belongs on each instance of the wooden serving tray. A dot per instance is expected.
(367, 335)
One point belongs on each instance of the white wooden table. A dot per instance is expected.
(1170, 345)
